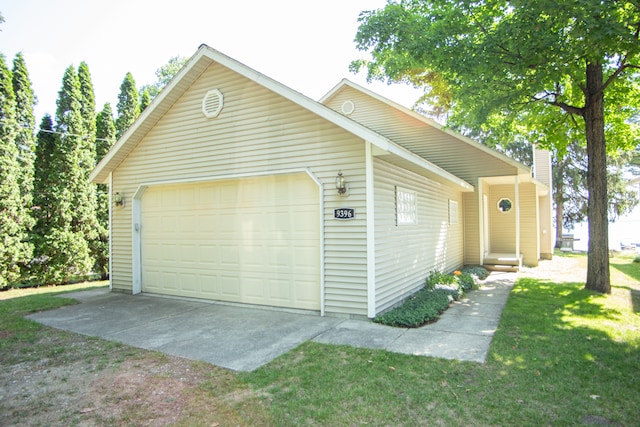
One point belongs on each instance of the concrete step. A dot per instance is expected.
(505, 268)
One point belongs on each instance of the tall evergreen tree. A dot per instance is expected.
(72, 225)
(15, 251)
(45, 184)
(128, 105)
(25, 139)
(105, 131)
(105, 137)
(99, 251)
(145, 100)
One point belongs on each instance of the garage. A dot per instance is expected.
(253, 240)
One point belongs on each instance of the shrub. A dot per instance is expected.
(476, 271)
(437, 278)
(637, 259)
(421, 308)
(466, 281)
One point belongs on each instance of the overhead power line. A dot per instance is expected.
(54, 132)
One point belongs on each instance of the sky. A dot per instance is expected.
(306, 45)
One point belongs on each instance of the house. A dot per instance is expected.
(233, 187)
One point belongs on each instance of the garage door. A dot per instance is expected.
(253, 240)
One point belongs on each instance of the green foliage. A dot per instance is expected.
(44, 181)
(545, 71)
(105, 137)
(25, 139)
(423, 307)
(476, 271)
(128, 106)
(105, 131)
(145, 100)
(637, 259)
(438, 278)
(67, 223)
(164, 75)
(465, 280)
(428, 303)
(15, 251)
(99, 235)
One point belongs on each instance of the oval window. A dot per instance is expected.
(504, 205)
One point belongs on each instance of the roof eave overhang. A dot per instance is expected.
(347, 83)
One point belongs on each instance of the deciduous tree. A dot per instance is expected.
(164, 75)
(504, 58)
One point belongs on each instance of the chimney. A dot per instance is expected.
(542, 165)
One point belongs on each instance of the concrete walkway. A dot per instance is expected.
(244, 339)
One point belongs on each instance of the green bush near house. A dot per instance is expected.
(427, 304)
(423, 307)
(477, 271)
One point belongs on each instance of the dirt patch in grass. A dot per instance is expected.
(67, 379)
(569, 268)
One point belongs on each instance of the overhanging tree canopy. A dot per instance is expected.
(520, 59)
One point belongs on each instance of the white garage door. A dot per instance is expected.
(252, 240)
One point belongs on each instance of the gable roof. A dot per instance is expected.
(199, 62)
(426, 147)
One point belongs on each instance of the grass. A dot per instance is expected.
(562, 355)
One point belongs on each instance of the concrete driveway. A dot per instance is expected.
(243, 338)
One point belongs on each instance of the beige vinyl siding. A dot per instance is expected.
(529, 231)
(257, 132)
(469, 213)
(547, 233)
(444, 150)
(405, 254)
(502, 225)
(542, 166)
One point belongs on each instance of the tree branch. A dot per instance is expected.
(568, 108)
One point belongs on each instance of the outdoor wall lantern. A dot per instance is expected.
(341, 186)
(118, 199)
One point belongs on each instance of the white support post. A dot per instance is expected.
(371, 231)
(517, 219)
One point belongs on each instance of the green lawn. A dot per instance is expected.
(561, 356)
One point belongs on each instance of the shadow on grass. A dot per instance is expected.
(556, 299)
(632, 271)
(555, 360)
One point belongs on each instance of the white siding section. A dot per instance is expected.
(257, 131)
(406, 254)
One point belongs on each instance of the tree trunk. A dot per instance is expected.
(598, 276)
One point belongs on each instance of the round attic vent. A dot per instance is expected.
(348, 107)
(212, 103)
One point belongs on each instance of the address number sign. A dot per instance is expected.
(344, 213)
